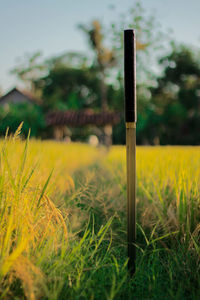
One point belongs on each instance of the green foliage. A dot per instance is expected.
(167, 105)
(176, 98)
(29, 69)
(11, 115)
(149, 41)
(164, 253)
(79, 250)
(104, 57)
(75, 88)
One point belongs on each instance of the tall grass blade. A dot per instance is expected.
(44, 189)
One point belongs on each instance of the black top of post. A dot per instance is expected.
(130, 75)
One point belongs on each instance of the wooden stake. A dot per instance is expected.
(130, 119)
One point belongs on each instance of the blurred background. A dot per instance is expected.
(62, 69)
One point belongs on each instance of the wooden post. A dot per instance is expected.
(130, 119)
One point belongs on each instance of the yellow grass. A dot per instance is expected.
(30, 224)
(168, 178)
(32, 227)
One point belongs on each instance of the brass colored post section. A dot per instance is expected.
(131, 193)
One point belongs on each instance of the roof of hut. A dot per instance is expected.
(80, 118)
(18, 96)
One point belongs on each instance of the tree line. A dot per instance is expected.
(168, 82)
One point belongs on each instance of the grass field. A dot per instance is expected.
(63, 222)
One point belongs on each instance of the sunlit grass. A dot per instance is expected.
(168, 180)
(63, 222)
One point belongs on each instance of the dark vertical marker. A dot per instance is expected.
(130, 75)
(130, 119)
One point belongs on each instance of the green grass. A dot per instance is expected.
(67, 239)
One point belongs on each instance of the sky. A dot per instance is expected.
(51, 26)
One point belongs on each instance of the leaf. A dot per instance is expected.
(44, 188)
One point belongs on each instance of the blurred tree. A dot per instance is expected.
(175, 116)
(76, 81)
(70, 88)
(109, 60)
(1, 91)
(149, 41)
(29, 69)
(104, 57)
(11, 115)
(69, 59)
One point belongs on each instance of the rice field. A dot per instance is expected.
(63, 222)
